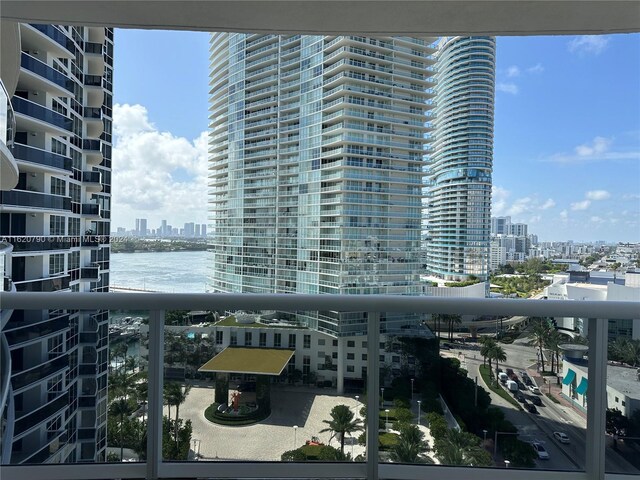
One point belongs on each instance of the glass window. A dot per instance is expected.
(56, 225)
(307, 341)
(263, 339)
(321, 341)
(351, 344)
(292, 340)
(277, 340)
(351, 356)
(248, 340)
(56, 263)
(219, 337)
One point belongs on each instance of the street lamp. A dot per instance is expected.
(386, 423)
(382, 395)
(506, 463)
(485, 434)
(419, 402)
(295, 436)
(412, 389)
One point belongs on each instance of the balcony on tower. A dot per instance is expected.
(32, 116)
(93, 120)
(92, 180)
(93, 151)
(93, 87)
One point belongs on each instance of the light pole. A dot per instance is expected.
(485, 434)
(382, 395)
(295, 436)
(386, 423)
(412, 389)
(506, 463)
(419, 402)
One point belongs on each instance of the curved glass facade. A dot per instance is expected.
(458, 206)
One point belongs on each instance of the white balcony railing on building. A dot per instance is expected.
(597, 314)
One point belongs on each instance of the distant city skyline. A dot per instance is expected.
(566, 160)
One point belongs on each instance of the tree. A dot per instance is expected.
(121, 409)
(342, 422)
(488, 343)
(539, 334)
(462, 448)
(174, 395)
(498, 354)
(410, 445)
(554, 339)
(452, 321)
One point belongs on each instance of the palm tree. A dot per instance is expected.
(487, 344)
(554, 339)
(462, 448)
(410, 445)
(539, 334)
(498, 354)
(453, 320)
(121, 409)
(342, 422)
(174, 395)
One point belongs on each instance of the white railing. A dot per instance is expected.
(157, 303)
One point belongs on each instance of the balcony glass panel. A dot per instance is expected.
(93, 112)
(92, 80)
(39, 244)
(31, 109)
(92, 47)
(32, 376)
(27, 153)
(90, 209)
(44, 284)
(34, 199)
(45, 71)
(32, 331)
(456, 389)
(32, 419)
(91, 177)
(55, 34)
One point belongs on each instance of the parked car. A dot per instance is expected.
(521, 386)
(532, 408)
(528, 382)
(561, 437)
(540, 450)
(524, 375)
(520, 396)
(534, 389)
(509, 371)
(536, 401)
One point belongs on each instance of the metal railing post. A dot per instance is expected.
(155, 378)
(373, 384)
(596, 398)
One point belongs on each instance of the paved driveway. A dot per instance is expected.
(269, 439)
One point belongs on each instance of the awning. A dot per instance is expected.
(569, 377)
(256, 361)
(582, 388)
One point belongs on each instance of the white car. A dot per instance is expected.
(534, 389)
(540, 450)
(561, 437)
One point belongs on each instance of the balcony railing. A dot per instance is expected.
(45, 71)
(31, 109)
(597, 314)
(26, 199)
(31, 154)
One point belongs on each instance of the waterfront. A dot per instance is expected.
(171, 272)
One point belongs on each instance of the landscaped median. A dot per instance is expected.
(486, 376)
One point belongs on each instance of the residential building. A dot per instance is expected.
(189, 229)
(55, 217)
(500, 225)
(458, 207)
(316, 156)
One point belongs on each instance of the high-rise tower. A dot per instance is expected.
(316, 167)
(458, 206)
(56, 220)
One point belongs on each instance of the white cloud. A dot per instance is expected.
(511, 88)
(599, 146)
(550, 203)
(588, 44)
(631, 196)
(499, 198)
(513, 71)
(597, 195)
(564, 214)
(596, 219)
(537, 68)
(521, 205)
(583, 205)
(156, 175)
(598, 150)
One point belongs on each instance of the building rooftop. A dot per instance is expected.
(622, 379)
(256, 361)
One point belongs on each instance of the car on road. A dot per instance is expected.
(532, 408)
(534, 389)
(561, 437)
(536, 401)
(520, 396)
(540, 450)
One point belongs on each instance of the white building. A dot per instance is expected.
(458, 210)
(316, 166)
(56, 217)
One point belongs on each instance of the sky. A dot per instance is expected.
(566, 139)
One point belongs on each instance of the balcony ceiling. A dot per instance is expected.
(424, 18)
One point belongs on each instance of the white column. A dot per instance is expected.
(341, 366)
(373, 385)
(597, 398)
(155, 378)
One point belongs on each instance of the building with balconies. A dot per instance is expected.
(458, 203)
(316, 156)
(56, 175)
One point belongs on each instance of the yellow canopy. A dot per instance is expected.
(256, 361)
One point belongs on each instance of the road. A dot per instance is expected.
(552, 417)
